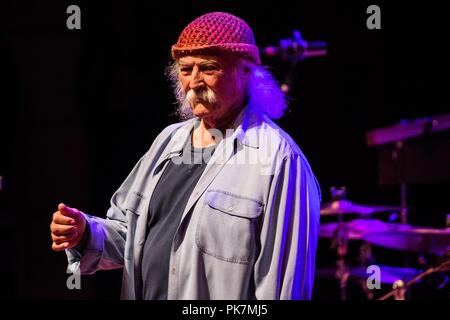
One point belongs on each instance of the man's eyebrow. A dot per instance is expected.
(209, 62)
(187, 64)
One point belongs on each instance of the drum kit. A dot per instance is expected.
(370, 232)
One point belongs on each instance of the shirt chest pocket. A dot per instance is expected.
(226, 226)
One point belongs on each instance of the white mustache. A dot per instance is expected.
(205, 95)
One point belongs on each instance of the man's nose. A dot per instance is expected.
(196, 79)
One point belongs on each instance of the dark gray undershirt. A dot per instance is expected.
(166, 208)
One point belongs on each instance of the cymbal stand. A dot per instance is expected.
(366, 259)
(397, 156)
(340, 242)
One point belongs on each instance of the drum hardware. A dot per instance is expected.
(402, 160)
(390, 274)
(415, 239)
(341, 232)
(411, 238)
(339, 206)
(400, 288)
(357, 228)
(376, 232)
(365, 259)
(340, 244)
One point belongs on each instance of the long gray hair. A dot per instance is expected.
(264, 93)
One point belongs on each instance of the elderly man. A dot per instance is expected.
(224, 204)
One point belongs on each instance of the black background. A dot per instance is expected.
(78, 108)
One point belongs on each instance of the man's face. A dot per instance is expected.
(215, 86)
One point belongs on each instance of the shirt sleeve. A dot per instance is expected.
(84, 240)
(284, 268)
(105, 246)
(103, 249)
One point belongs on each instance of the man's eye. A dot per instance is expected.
(210, 68)
(185, 70)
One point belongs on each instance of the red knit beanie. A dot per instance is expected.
(216, 33)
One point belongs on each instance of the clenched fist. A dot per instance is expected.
(67, 227)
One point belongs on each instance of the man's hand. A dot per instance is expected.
(67, 227)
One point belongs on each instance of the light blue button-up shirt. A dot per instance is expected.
(248, 231)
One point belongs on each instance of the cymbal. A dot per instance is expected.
(416, 239)
(356, 228)
(388, 274)
(346, 207)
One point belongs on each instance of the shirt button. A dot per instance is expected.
(231, 208)
(173, 270)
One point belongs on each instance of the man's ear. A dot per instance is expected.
(246, 70)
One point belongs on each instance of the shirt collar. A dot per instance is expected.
(245, 124)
